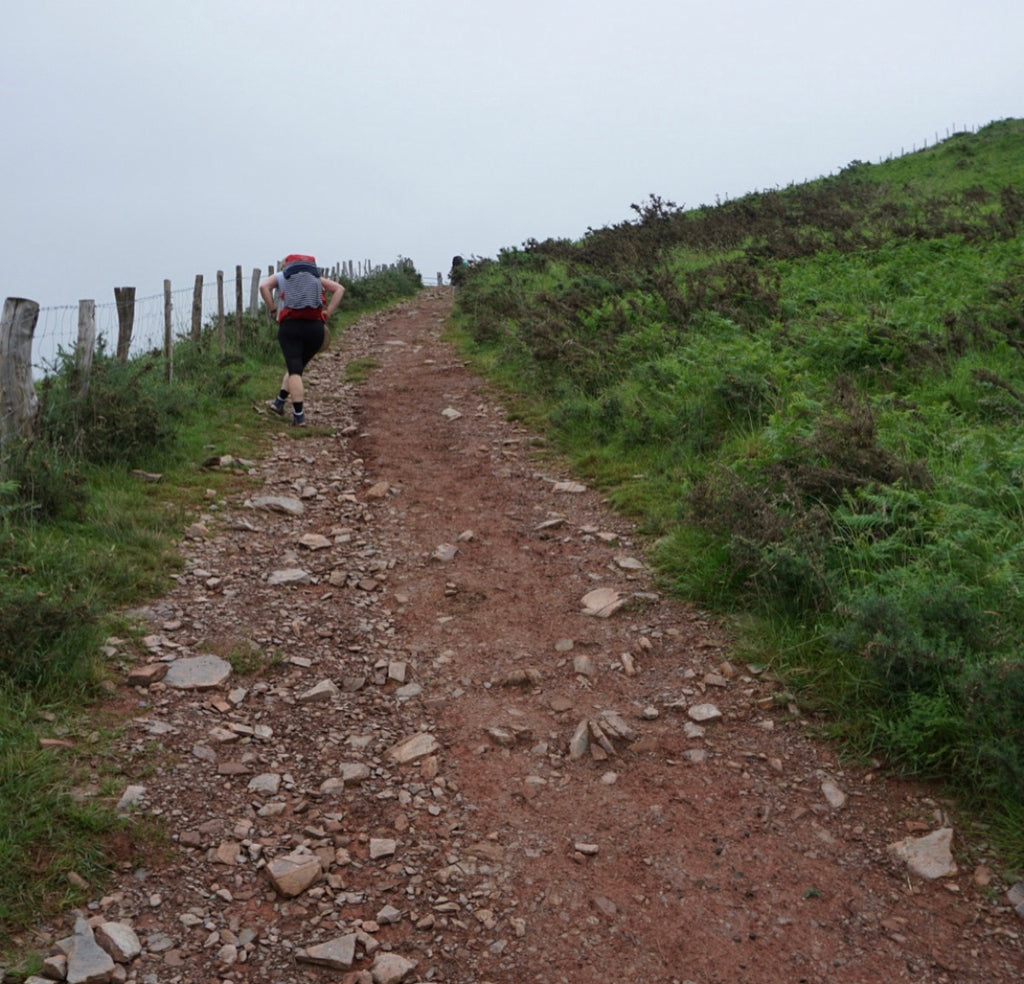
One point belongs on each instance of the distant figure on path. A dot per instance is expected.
(300, 322)
(458, 272)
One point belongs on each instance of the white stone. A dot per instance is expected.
(929, 856)
(390, 968)
(833, 794)
(119, 940)
(382, 847)
(279, 503)
(130, 798)
(293, 873)
(583, 665)
(616, 725)
(412, 748)
(629, 563)
(88, 962)
(354, 772)
(291, 575)
(703, 713)
(206, 672)
(579, 744)
(324, 690)
(338, 954)
(265, 784)
(333, 786)
(602, 602)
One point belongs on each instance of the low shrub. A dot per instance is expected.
(389, 284)
(126, 415)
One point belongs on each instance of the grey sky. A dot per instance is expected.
(147, 139)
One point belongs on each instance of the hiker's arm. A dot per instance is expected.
(267, 285)
(337, 292)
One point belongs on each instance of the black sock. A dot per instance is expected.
(297, 407)
(283, 395)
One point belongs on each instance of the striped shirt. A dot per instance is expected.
(300, 289)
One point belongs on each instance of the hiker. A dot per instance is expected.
(457, 275)
(301, 316)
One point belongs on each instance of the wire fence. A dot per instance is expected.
(57, 328)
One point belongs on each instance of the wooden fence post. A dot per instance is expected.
(238, 306)
(168, 346)
(197, 309)
(254, 292)
(86, 345)
(18, 401)
(220, 309)
(125, 298)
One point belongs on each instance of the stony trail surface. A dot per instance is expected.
(476, 745)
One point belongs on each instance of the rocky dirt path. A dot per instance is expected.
(443, 768)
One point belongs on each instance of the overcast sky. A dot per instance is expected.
(150, 139)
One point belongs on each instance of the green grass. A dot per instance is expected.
(358, 370)
(45, 831)
(811, 400)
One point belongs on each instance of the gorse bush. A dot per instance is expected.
(127, 414)
(811, 398)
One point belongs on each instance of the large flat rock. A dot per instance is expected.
(198, 673)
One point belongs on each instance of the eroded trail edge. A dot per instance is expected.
(476, 744)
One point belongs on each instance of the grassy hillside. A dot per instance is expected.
(812, 399)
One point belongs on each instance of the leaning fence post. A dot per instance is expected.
(197, 309)
(220, 309)
(86, 345)
(168, 347)
(125, 297)
(254, 292)
(18, 401)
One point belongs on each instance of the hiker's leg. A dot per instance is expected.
(290, 335)
(312, 338)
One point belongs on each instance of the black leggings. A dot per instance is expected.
(300, 340)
